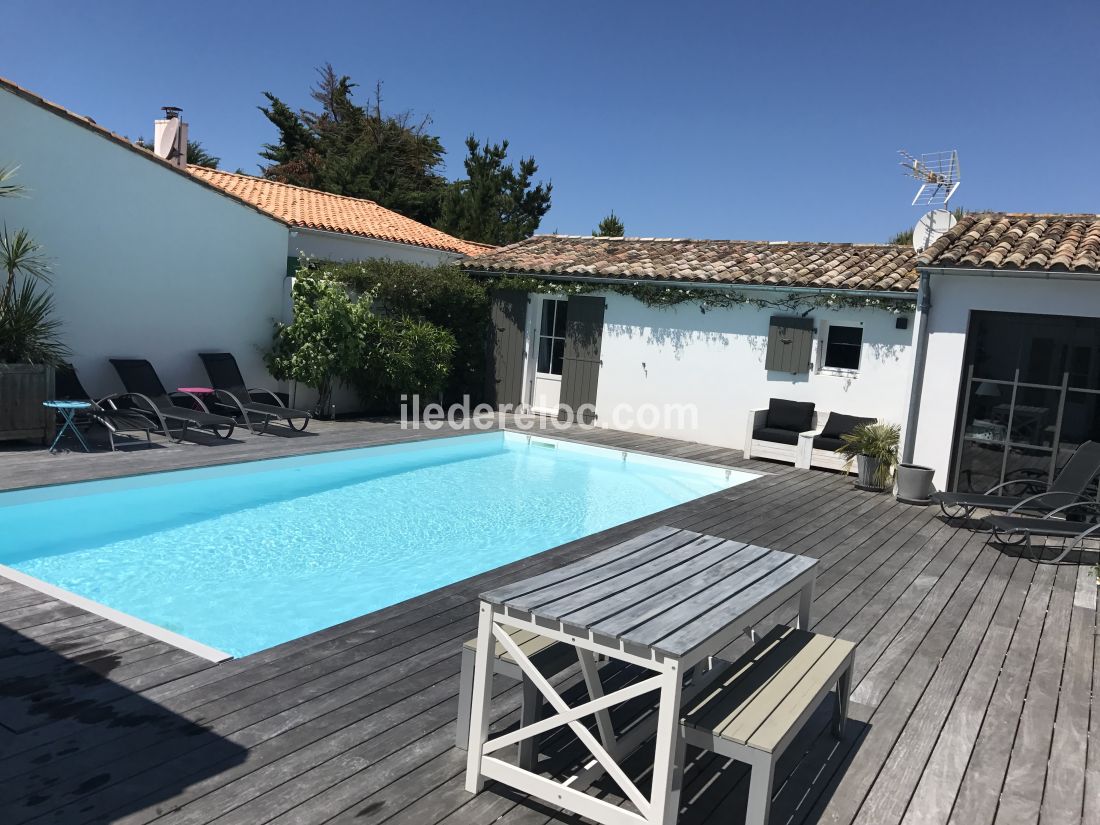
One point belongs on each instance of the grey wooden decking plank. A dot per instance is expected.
(1025, 779)
(523, 814)
(980, 790)
(859, 571)
(1092, 765)
(890, 795)
(937, 619)
(942, 774)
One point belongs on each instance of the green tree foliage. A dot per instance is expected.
(443, 296)
(495, 203)
(356, 150)
(196, 154)
(610, 227)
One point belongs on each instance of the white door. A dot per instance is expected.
(549, 350)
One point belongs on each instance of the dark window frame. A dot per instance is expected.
(837, 355)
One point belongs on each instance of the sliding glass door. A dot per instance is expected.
(1030, 394)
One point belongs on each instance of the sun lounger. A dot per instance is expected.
(67, 387)
(145, 392)
(1069, 486)
(231, 393)
(1011, 528)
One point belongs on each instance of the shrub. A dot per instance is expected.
(337, 338)
(324, 343)
(443, 296)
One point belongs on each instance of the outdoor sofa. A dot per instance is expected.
(773, 431)
(795, 431)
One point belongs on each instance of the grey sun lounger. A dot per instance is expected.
(146, 393)
(67, 387)
(1010, 529)
(231, 393)
(1068, 487)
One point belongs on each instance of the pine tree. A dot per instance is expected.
(610, 227)
(356, 150)
(495, 203)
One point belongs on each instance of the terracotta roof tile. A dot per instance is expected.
(879, 268)
(313, 209)
(1018, 241)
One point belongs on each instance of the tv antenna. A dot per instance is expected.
(938, 173)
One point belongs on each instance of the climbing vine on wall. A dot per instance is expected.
(654, 295)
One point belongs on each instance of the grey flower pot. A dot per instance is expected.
(866, 472)
(914, 484)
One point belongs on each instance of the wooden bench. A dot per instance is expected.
(752, 709)
(549, 656)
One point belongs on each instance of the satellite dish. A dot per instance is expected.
(931, 227)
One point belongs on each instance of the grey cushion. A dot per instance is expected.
(797, 416)
(840, 424)
(775, 434)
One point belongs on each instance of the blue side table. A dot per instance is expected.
(68, 410)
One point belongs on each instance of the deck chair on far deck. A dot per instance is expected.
(231, 393)
(1068, 487)
(1011, 529)
(67, 387)
(146, 393)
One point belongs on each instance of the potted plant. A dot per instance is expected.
(30, 345)
(873, 448)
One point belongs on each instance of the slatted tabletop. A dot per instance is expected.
(668, 590)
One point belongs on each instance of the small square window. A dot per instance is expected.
(842, 348)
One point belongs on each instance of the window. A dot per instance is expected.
(842, 348)
(552, 337)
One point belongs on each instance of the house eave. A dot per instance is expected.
(1040, 274)
(702, 285)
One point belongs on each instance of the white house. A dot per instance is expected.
(846, 311)
(1007, 373)
(155, 259)
(985, 347)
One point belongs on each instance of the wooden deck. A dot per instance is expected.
(975, 676)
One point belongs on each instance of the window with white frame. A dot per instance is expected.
(842, 348)
(552, 337)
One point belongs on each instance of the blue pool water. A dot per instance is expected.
(246, 556)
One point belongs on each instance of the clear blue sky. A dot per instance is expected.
(776, 120)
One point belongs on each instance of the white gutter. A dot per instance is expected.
(920, 354)
(600, 279)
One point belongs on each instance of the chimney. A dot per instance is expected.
(170, 137)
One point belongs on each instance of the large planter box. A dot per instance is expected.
(23, 389)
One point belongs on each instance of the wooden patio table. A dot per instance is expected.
(667, 601)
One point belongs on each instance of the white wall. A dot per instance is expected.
(953, 298)
(146, 262)
(716, 360)
(329, 246)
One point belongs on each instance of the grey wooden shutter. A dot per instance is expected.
(790, 342)
(507, 330)
(583, 339)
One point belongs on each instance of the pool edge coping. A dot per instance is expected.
(184, 643)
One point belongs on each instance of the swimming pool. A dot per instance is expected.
(245, 556)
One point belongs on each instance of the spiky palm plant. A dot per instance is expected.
(29, 334)
(878, 442)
